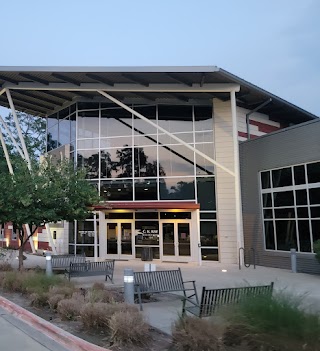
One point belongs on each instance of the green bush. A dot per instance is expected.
(33, 282)
(316, 249)
(280, 316)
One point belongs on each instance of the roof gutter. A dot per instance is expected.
(253, 111)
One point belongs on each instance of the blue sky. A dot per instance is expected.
(274, 44)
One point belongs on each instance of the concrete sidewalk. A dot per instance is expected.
(163, 313)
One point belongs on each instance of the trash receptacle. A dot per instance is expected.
(146, 254)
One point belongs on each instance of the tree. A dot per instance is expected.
(50, 192)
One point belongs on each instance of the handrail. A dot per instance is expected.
(251, 253)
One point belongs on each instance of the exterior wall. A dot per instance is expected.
(298, 144)
(225, 183)
(260, 124)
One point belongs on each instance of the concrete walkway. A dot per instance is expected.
(163, 313)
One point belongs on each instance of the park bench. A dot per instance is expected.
(85, 269)
(62, 262)
(212, 298)
(161, 282)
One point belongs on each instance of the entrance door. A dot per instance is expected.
(176, 241)
(119, 239)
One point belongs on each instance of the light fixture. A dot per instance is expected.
(224, 270)
(146, 189)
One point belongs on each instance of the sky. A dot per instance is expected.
(274, 44)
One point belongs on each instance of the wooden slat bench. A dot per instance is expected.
(212, 298)
(163, 281)
(91, 269)
(63, 261)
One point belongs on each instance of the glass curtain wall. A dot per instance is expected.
(129, 160)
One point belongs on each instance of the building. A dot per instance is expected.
(161, 144)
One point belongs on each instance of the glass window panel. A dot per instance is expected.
(73, 108)
(116, 122)
(184, 239)
(53, 138)
(303, 212)
(208, 233)
(177, 189)
(208, 215)
(284, 213)
(299, 175)
(269, 235)
(87, 250)
(116, 190)
(267, 214)
(106, 143)
(314, 196)
(204, 137)
(147, 232)
(176, 160)
(88, 127)
(209, 254)
(73, 127)
(88, 106)
(267, 200)
(145, 162)
(85, 232)
(282, 177)
(52, 120)
(88, 144)
(315, 212)
(64, 131)
(119, 215)
(64, 113)
(313, 170)
(284, 198)
(175, 118)
(116, 163)
(165, 139)
(175, 215)
(265, 180)
(315, 224)
(286, 235)
(304, 236)
(71, 249)
(203, 118)
(146, 189)
(301, 197)
(204, 166)
(142, 140)
(89, 160)
(206, 193)
(71, 232)
(147, 215)
(142, 127)
(155, 252)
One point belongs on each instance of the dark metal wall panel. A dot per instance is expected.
(298, 144)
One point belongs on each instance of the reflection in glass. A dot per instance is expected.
(168, 239)
(269, 235)
(146, 189)
(204, 166)
(304, 236)
(140, 126)
(147, 232)
(208, 233)
(116, 142)
(112, 238)
(313, 170)
(88, 127)
(145, 162)
(126, 239)
(71, 232)
(53, 138)
(284, 198)
(165, 139)
(117, 190)
(177, 160)
(88, 144)
(265, 180)
(85, 232)
(299, 175)
(183, 239)
(155, 252)
(89, 160)
(175, 118)
(203, 118)
(286, 235)
(64, 131)
(206, 193)
(116, 122)
(177, 189)
(282, 177)
(209, 254)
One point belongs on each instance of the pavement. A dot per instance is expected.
(162, 313)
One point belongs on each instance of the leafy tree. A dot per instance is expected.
(50, 192)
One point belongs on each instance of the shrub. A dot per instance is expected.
(39, 299)
(128, 327)
(98, 286)
(191, 333)
(53, 300)
(103, 295)
(98, 315)
(68, 309)
(5, 267)
(12, 281)
(316, 249)
(65, 290)
(39, 282)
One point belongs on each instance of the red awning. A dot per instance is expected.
(156, 205)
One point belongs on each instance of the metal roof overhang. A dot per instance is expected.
(43, 90)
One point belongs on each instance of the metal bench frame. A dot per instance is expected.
(212, 298)
(86, 269)
(163, 281)
(63, 261)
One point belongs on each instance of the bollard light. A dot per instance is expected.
(293, 253)
(48, 264)
(128, 285)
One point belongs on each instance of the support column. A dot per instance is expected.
(54, 250)
(95, 249)
(102, 235)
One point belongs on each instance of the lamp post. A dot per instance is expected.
(128, 286)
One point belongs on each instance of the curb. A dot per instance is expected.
(62, 337)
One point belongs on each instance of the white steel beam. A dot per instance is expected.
(152, 88)
(11, 137)
(54, 249)
(2, 91)
(237, 185)
(24, 148)
(139, 115)
(4, 147)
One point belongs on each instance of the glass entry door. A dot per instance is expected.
(176, 241)
(119, 239)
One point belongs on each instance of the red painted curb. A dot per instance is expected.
(70, 341)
